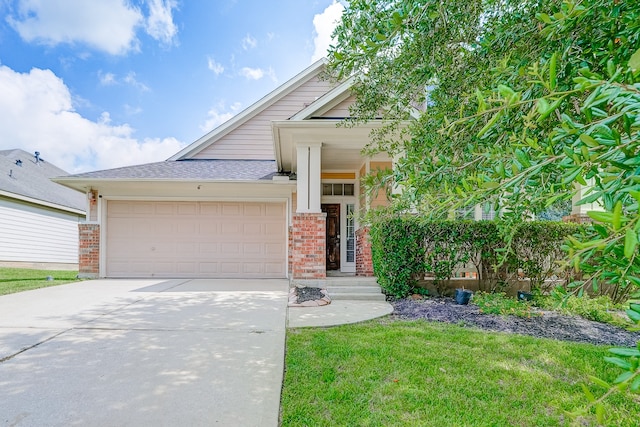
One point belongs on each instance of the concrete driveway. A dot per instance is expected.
(143, 353)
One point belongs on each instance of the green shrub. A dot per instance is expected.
(406, 248)
(397, 254)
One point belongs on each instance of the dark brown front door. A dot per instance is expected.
(333, 235)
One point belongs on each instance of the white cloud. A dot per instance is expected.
(214, 66)
(160, 24)
(258, 73)
(36, 113)
(110, 79)
(324, 23)
(107, 25)
(219, 114)
(130, 79)
(252, 73)
(249, 42)
(107, 79)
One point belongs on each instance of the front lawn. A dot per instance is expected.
(22, 279)
(395, 373)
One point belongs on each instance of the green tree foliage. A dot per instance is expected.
(517, 102)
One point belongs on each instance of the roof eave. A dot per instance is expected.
(41, 202)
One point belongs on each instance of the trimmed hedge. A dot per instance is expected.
(405, 249)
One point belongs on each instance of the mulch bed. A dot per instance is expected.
(548, 325)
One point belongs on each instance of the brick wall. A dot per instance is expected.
(307, 251)
(364, 264)
(89, 250)
(577, 218)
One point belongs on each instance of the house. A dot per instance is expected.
(38, 218)
(268, 194)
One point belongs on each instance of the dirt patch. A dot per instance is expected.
(548, 325)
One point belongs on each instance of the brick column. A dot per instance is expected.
(89, 251)
(307, 251)
(364, 263)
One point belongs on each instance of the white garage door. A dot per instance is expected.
(195, 239)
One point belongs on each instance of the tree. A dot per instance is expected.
(518, 103)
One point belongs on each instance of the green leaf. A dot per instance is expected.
(634, 61)
(587, 139)
(505, 91)
(544, 18)
(630, 243)
(598, 381)
(617, 216)
(623, 377)
(619, 362)
(588, 394)
(628, 352)
(522, 158)
(633, 315)
(482, 105)
(635, 385)
(601, 216)
(489, 185)
(551, 109)
(552, 71)
(600, 413)
(542, 105)
(489, 124)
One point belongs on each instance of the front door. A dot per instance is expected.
(333, 235)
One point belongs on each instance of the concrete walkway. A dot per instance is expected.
(339, 312)
(143, 353)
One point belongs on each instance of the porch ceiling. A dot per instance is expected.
(341, 146)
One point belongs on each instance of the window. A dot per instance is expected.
(351, 233)
(338, 189)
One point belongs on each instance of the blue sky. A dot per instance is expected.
(96, 84)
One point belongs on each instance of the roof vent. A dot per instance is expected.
(18, 162)
(38, 159)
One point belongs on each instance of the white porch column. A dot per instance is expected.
(580, 194)
(308, 175)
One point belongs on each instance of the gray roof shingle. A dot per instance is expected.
(231, 170)
(34, 180)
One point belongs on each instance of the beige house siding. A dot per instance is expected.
(381, 197)
(253, 139)
(30, 233)
(341, 110)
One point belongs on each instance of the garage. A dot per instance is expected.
(196, 239)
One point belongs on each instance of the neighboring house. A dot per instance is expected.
(270, 193)
(38, 218)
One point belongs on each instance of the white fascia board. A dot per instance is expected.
(325, 102)
(250, 112)
(41, 202)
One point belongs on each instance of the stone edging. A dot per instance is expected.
(293, 298)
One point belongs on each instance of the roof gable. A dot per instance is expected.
(248, 134)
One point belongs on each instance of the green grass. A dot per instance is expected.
(14, 280)
(418, 373)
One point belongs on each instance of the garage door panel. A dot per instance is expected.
(195, 239)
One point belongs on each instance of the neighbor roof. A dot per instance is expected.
(22, 178)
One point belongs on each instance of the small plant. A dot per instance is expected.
(499, 303)
(599, 309)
